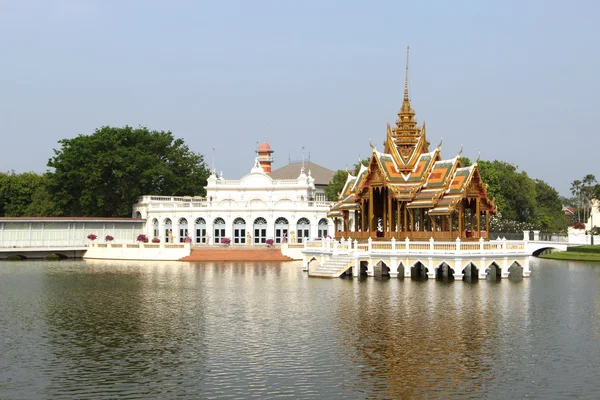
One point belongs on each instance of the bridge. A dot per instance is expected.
(500, 258)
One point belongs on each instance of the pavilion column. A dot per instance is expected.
(398, 211)
(478, 220)
(390, 212)
(412, 219)
(371, 219)
(450, 222)
(487, 223)
(421, 220)
(405, 217)
(461, 222)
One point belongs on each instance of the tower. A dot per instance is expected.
(264, 157)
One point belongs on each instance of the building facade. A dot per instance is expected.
(250, 211)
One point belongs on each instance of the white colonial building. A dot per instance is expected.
(248, 211)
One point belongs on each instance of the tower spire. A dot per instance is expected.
(406, 77)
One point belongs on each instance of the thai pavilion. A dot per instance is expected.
(409, 191)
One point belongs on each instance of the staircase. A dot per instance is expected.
(235, 253)
(334, 267)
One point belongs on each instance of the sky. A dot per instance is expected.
(515, 81)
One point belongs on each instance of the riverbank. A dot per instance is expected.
(576, 253)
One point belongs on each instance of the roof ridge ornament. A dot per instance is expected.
(406, 76)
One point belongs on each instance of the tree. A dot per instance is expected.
(576, 191)
(338, 181)
(550, 217)
(104, 173)
(587, 194)
(22, 195)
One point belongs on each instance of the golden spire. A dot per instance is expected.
(406, 77)
(406, 123)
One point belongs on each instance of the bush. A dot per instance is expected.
(225, 241)
(155, 240)
(269, 242)
(109, 238)
(579, 225)
(92, 236)
(142, 238)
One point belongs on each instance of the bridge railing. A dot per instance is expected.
(407, 247)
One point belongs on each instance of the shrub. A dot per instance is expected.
(155, 240)
(225, 241)
(579, 225)
(269, 242)
(92, 236)
(142, 238)
(109, 238)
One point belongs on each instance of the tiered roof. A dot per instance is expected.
(413, 173)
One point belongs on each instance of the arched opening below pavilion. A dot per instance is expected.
(419, 271)
(444, 272)
(470, 273)
(381, 270)
(515, 272)
(494, 272)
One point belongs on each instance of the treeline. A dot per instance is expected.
(103, 174)
(523, 203)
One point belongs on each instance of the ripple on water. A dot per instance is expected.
(94, 330)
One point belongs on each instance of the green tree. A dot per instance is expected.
(104, 173)
(513, 191)
(22, 194)
(576, 192)
(550, 217)
(336, 184)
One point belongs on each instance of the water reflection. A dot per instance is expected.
(88, 330)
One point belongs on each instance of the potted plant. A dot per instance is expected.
(109, 238)
(142, 238)
(269, 242)
(92, 237)
(187, 239)
(225, 241)
(155, 240)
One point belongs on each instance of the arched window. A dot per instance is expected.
(302, 230)
(200, 231)
(155, 227)
(281, 230)
(219, 229)
(239, 231)
(168, 230)
(322, 228)
(183, 229)
(138, 214)
(260, 230)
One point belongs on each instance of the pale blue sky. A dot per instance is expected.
(514, 80)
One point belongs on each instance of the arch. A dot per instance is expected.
(515, 271)
(168, 229)
(400, 270)
(200, 231)
(470, 272)
(381, 269)
(363, 268)
(493, 272)
(444, 272)
(419, 271)
(282, 227)
(322, 228)
(239, 231)
(155, 229)
(138, 215)
(218, 229)
(183, 229)
(257, 204)
(302, 230)
(260, 230)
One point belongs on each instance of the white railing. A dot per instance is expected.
(408, 247)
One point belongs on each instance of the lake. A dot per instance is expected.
(167, 330)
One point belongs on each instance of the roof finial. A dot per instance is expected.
(406, 78)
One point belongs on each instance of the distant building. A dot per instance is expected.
(287, 204)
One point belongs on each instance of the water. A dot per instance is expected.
(135, 330)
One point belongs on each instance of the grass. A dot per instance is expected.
(588, 253)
